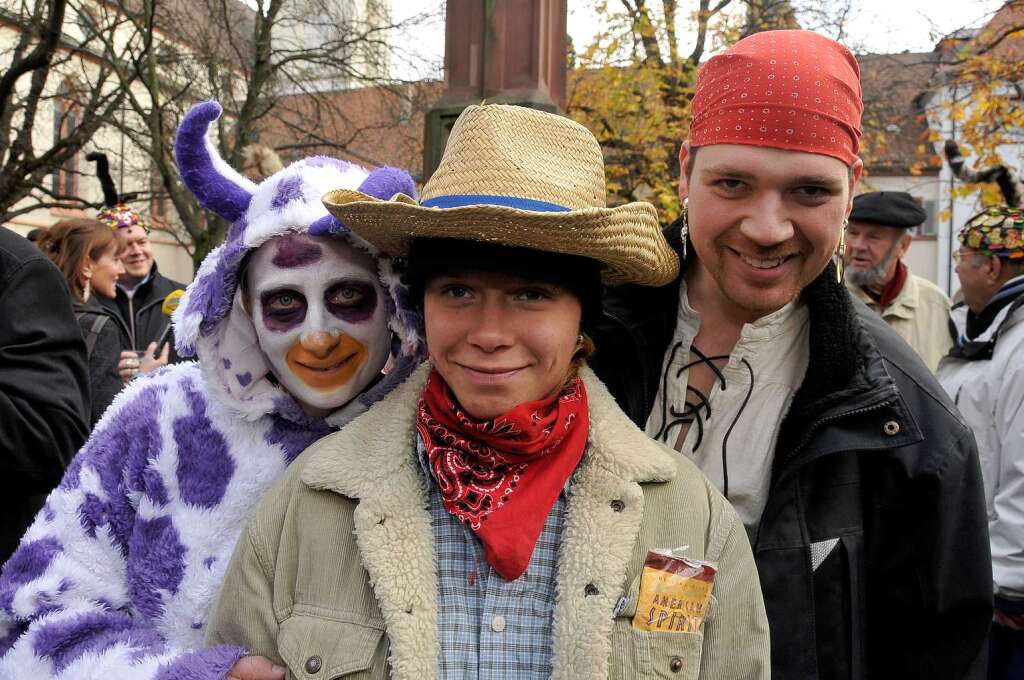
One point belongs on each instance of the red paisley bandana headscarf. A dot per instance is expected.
(502, 476)
(792, 90)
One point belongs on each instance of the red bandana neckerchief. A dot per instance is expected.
(502, 476)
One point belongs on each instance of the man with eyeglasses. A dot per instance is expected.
(984, 373)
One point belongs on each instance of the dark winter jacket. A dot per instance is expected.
(141, 318)
(873, 545)
(44, 399)
(100, 330)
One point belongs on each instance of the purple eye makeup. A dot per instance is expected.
(282, 310)
(353, 301)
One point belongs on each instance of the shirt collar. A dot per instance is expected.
(768, 327)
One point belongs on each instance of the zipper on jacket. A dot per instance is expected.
(131, 321)
(134, 313)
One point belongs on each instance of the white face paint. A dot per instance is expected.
(320, 316)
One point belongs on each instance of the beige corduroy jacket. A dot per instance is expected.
(336, 577)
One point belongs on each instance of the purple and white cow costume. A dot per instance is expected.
(115, 577)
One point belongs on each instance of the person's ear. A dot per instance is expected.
(905, 242)
(87, 268)
(684, 180)
(854, 177)
(995, 268)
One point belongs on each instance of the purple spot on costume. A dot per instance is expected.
(27, 563)
(289, 189)
(157, 566)
(132, 433)
(386, 182)
(244, 379)
(70, 479)
(153, 486)
(66, 641)
(91, 513)
(211, 296)
(294, 440)
(204, 465)
(7, 641)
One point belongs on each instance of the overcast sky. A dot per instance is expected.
(874, 26)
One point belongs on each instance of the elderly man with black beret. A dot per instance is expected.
(876, 242)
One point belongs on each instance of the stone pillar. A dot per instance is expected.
(498, 51)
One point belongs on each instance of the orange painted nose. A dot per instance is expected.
(320, 344)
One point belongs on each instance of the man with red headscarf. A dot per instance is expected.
(858, 484)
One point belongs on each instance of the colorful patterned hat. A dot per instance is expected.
(998, 231)
(120, 216)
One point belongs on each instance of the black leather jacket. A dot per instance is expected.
(873, 546)
(140, 317)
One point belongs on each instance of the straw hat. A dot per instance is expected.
(524, 178)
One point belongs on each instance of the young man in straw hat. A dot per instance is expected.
(498, 516)
(856, 480)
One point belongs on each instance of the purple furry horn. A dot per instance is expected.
(213, 182)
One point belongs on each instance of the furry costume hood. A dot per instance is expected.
(210, 321)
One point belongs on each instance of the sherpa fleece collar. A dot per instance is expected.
(373, 460)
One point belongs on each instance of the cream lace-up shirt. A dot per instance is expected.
(732, 437)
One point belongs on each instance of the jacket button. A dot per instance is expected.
(313, 664)
(617, 505)
(591, 589)
(891, 428)
(676, 664)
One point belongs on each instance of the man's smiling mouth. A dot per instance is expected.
(764, 262)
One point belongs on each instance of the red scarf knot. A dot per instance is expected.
(521, 458)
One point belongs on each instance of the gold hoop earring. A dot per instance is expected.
(841, 252)
(684, 228)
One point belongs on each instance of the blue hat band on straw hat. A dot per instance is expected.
(463, 200)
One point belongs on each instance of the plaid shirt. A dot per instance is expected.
(490, 628)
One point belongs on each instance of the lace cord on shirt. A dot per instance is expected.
(691, 413)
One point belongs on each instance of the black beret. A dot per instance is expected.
(889, 209)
